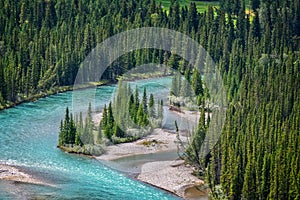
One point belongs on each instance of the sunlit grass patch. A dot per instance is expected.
(201, 5)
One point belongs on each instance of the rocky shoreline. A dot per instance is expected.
(173, 175)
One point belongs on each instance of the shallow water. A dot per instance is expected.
(131, 165)
(28, 139)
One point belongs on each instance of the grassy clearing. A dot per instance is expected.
(201, 5)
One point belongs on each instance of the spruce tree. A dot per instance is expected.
(140, 115)
(110, 117)
(151, 106)
(61, 133)
(197, 84)
(104, 119)
(144, 101)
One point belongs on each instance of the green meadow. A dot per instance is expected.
(201, 5)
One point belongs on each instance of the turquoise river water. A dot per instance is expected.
(28, 139)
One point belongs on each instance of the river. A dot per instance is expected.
(28, 139)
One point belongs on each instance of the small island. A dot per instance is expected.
(126, 119)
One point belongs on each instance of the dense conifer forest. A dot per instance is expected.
(43, 42)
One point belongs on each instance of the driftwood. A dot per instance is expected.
(176, 109)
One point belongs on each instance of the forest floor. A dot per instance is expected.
(154, 160)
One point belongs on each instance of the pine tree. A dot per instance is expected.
(173, 61)
(255, 4)
(104, 119)
(132, 108)
(110, 117)
(61, 133)
(256, 26)
(78, 141)
(176, 85)
(68, 131)
(144, 101)
(136, 98)
(43, 43)
(185, 90)
(118, 131)
(66, 127)
(109, 128)
(197, 84)
(72, 133)
(140, 115)
(151, 106)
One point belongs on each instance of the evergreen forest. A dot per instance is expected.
(256, 49)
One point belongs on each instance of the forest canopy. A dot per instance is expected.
(42, 44)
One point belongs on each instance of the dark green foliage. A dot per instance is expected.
(127, 113)
(110, 116)
(132, 108)
(176, 85)
(255, 158)
(109, 127)
(151, 106)
(87, 136)
(42, 44)
(141, 116)
(256, 26)
(197, 84)
(187, 90)
(67, 133)
(255, 4)
(144, 101)
(136, 98)
(77, 133)
(104, 120)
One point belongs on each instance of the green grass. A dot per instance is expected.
(201, 5)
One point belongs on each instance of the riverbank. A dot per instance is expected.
(15, 174)
(143, 160)
(62, 89)
(35, 97)
(173, 176)
(52, 91)
(159, 140)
